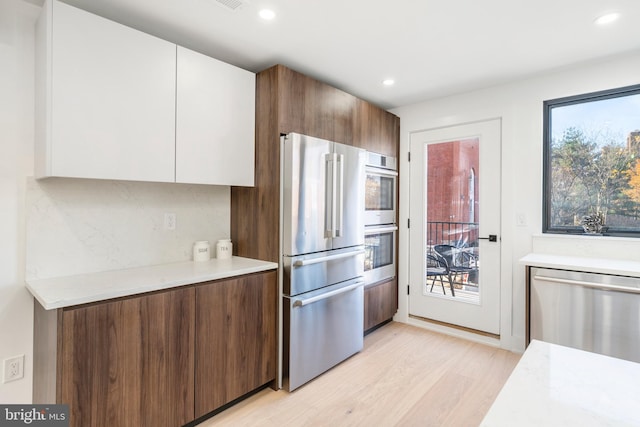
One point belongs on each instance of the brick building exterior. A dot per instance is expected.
(452, 185)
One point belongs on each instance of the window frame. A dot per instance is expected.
(548, 107)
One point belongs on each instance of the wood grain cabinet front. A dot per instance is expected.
(380, 303)
(236, 339)
(375, 129)
(129, 362)
(159, 359)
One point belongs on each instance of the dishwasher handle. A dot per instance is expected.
(588, 284)
(307, 301)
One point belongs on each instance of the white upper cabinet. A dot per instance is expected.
(107, 99)
(215, 126)
(115, 103)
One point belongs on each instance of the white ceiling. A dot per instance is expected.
(431, 48)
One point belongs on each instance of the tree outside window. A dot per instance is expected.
(592, 161)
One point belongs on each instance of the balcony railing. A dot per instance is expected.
(462, 235)
(459, 234)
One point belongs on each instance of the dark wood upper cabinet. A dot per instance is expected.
(287, 101)
(313, 108)
(375, 129)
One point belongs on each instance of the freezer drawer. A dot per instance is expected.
(322, 328)
(304, 273)
(593, 312)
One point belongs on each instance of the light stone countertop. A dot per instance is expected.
(559, 386)
(68, 291)
(591, 265)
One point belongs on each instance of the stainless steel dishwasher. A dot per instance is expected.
(594, 312)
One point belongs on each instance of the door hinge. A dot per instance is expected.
(408, 222)
(409, 156)
(408, 292)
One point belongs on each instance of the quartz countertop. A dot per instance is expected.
(68, 291)
(560, 386)
(592, 265)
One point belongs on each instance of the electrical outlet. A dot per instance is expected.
(13, 368)
(521, 219)
(169, 221)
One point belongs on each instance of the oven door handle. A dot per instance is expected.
(379, 230)
(382, 172)
(307, 301)
(303, 262)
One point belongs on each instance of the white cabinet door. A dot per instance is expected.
(215, 123)
(112, 100)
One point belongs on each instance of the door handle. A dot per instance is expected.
(491, 238)
(340, 196)
(307, 301)
(303, 262)
(594, 285)
(329, 185)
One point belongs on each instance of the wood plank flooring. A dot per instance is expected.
(405, 376)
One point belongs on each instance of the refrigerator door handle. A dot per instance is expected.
(329, 183)
(340, 196)
(303, 262)
(307, 301)
(334, 190)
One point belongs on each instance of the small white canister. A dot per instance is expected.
(224, 248)
(201, 251)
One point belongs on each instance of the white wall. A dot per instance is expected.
(77, 226)
(519, 104)
(17, 19)
(65, 226)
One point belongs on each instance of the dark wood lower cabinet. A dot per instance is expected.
(128, 362)
(158, 359)
(380, 303)
(236, 327)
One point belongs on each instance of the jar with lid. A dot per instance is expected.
(201, 251)
(224, 248)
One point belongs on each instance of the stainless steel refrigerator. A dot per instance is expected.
(322, 255)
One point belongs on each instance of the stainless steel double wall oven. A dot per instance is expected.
(380, 218)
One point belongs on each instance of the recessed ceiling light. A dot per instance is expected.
(607, 18)
(267, 14)
(388, 82)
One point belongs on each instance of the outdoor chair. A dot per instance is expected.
(459, 260)
(437, 268)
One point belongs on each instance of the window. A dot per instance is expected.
(592, 162)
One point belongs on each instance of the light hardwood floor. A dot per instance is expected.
(405, 376)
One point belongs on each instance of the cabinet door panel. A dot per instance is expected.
(376, 130)
(130, 362)
(235, 339)
(380, 303)
(215, 126)
(113, 100)
(313, 108)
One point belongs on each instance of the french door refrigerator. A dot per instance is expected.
(322, 255)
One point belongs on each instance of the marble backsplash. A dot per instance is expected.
(77, 226)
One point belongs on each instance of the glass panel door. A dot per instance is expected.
(452, 218)
(454, 208)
